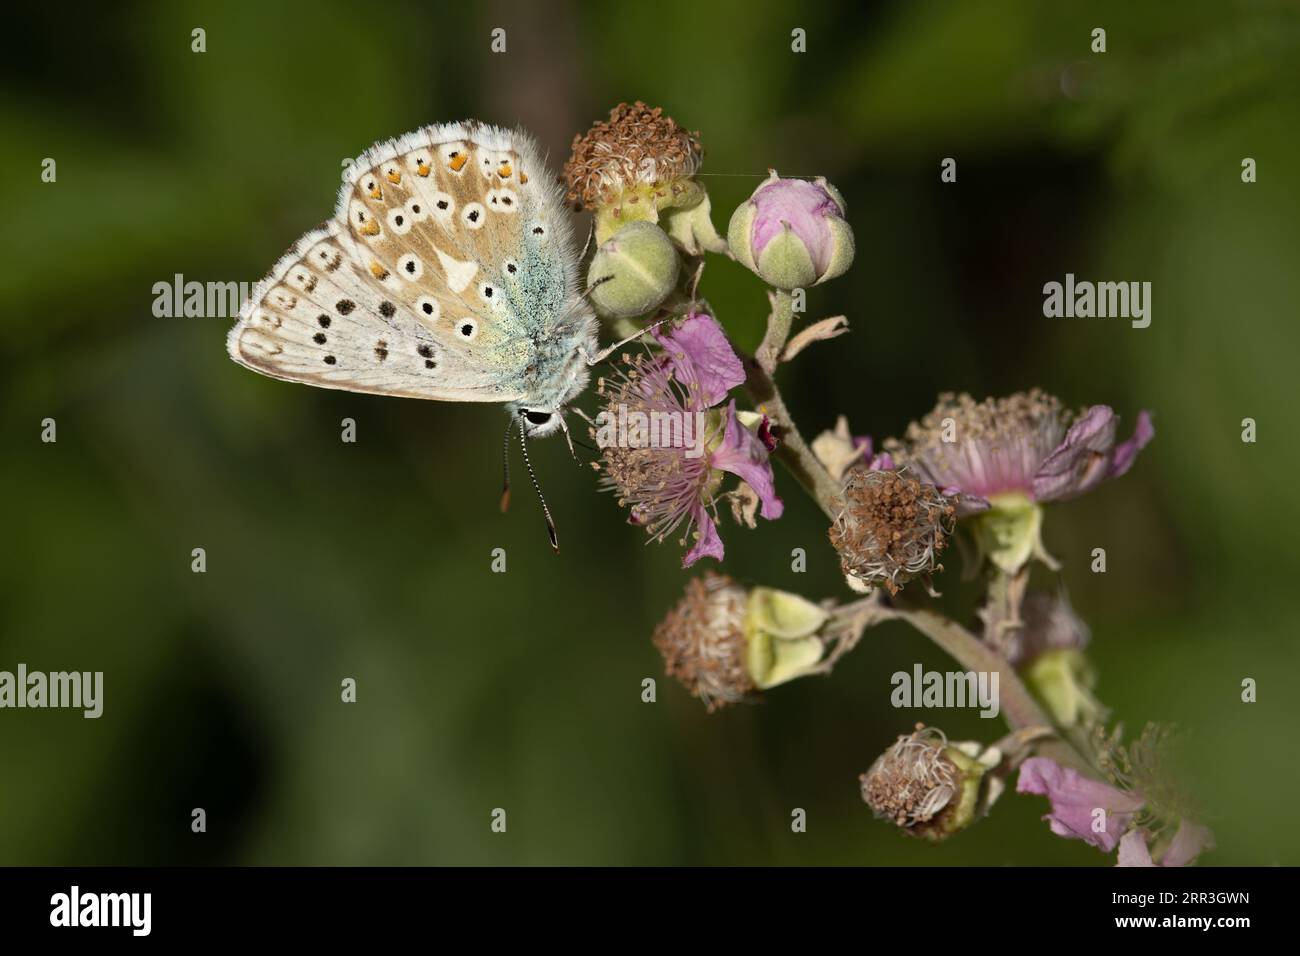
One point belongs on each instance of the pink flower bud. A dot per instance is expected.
(792, 233)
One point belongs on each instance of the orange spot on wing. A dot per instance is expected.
(423, 169)
(523, 176)
(370, 229)
(376, 193)
(395, 177)
(504, 171)
(457, 162)
(377, 270)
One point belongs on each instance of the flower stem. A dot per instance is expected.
(792, 451)
(1018, 707)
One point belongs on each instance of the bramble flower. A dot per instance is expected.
(640, 165)
(633, 271)
(724, 643)
(670, 484)
(792, 233)
(928, 787)
(890, 529)
(1124, 816)
(1082, 808)
(1007, 456)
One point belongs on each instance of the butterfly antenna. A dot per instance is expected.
(550, 522)
(505, 469)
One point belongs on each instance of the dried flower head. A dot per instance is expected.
(892, 527)
(923, 785)
(637, 147)
(702, 641)
(724, 641)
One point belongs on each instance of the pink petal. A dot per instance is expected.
(1081, 461)
(700, 341)
(709, 543)
(743, 454)
(801, 206)
(1189, 842)
(1126, 452)
(881, 462)
(1075, 798)
(1133, 850)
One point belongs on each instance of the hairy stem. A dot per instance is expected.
(792, 451)
(1018, 706)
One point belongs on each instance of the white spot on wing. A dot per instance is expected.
(459, 274)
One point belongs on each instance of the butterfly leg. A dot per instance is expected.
(564, 427)
(610, 350)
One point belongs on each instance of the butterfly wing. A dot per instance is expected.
(437, 278)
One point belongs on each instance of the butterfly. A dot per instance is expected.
(447, 272)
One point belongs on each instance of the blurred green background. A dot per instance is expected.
(522, 690)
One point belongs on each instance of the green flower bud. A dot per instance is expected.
(1063, 680)
(633, 272)
(792, 233)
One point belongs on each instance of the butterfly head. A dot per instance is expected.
(562, 377)
(540, 422)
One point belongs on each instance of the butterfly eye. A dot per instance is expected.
(537, 418)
